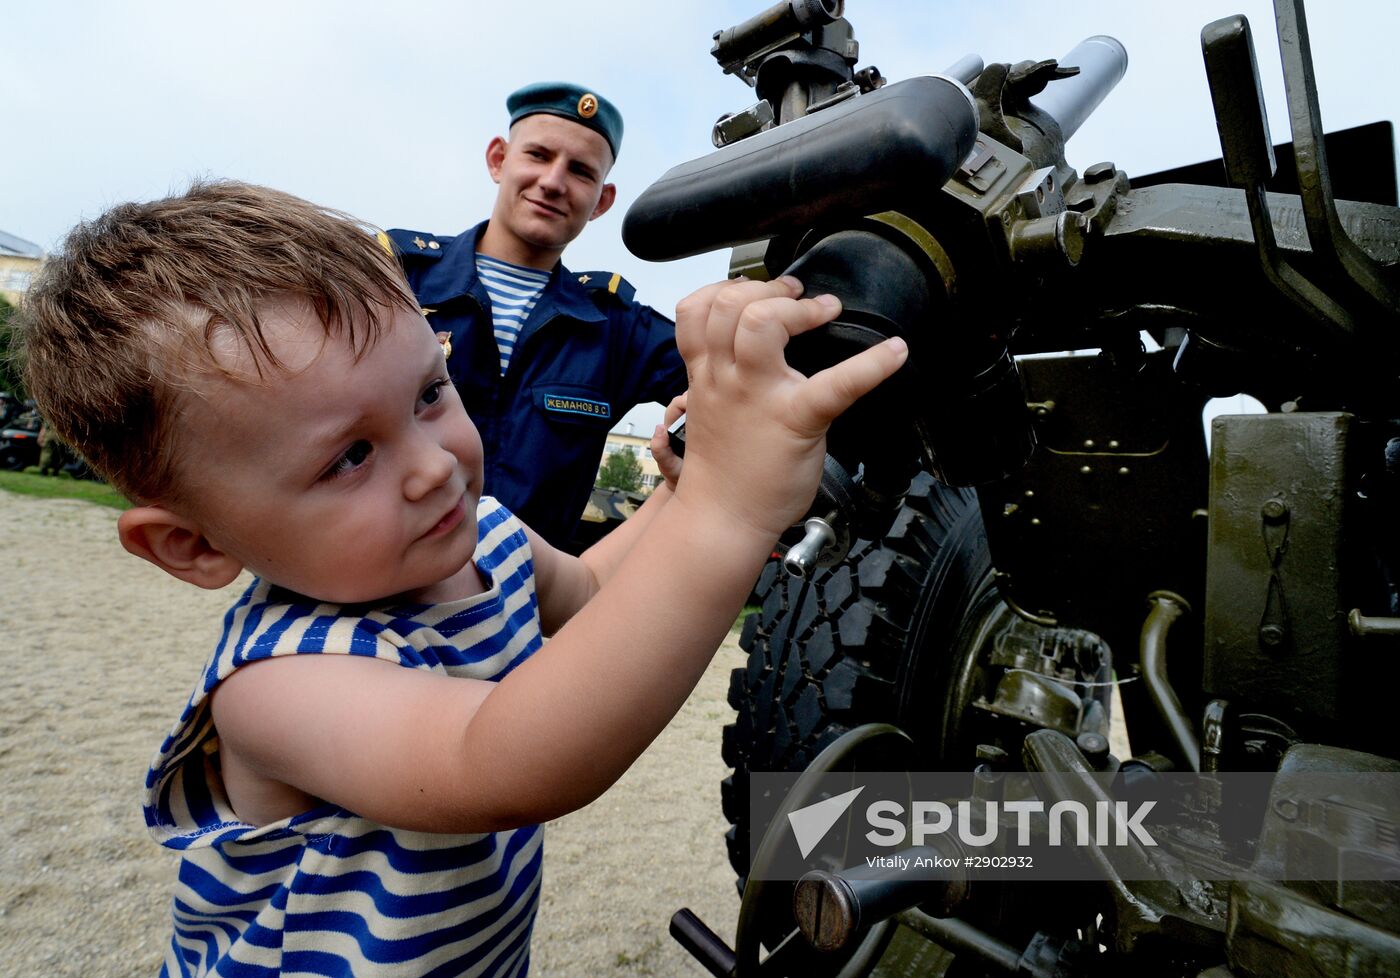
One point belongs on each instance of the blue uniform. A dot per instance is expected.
(587, 354)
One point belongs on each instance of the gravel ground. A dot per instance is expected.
(98, 653)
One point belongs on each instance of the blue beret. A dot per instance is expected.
(569, 102)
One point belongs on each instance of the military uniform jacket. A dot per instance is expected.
(586, 355)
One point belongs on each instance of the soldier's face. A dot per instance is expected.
(552, 178)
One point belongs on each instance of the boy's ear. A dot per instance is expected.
(177, 546)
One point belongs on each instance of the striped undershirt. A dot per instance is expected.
(328, 892)
(514, 290)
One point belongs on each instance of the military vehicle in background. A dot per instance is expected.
(605, 512)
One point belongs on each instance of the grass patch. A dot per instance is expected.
(739, 622)
(62, 487)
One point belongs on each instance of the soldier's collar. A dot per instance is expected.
(572, 299)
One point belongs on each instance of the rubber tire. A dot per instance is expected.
(874, 638)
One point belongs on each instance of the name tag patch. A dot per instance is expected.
(577, 405)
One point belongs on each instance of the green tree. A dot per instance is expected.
(9, 369)
(620, 470)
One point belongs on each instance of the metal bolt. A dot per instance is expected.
(822, 906)
(1099, 172)
(1085, 470)
(1271, 636)
(1089, 443)
(991, 754)
(1035, 521)
(1124, 471)
(804, 557)
(1275, 510)
(1094, 745)
(1030, 493)
(1113, 444)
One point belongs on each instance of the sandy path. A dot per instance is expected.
(98, 652)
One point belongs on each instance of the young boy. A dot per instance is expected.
(358, 780)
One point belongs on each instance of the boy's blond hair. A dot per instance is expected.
(124, 317)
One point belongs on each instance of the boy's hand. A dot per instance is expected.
(755, 427)
(666, 460)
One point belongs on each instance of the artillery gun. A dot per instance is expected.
(1027, 517)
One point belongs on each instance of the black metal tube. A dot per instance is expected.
(1167, 608)
(833, 909)
(703, 944)
(895, 147)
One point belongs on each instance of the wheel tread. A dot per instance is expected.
(826, 655)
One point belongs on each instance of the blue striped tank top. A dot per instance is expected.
(327, 892)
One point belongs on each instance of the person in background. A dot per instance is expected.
(53, 453)
(546, 360)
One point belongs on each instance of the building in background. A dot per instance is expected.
(622, 438)
(19, 260)
(607, 508)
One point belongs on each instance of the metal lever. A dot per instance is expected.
(1329, 239)
(1248, 151)
(1366, 626)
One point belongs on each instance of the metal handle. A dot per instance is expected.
(703, 944)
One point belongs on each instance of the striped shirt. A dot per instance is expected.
(327, 892)
(514, 290)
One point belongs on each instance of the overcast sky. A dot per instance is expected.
(385, 110)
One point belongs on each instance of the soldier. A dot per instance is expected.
(53, 452)
(546, 360)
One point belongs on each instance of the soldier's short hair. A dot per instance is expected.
(123, 319)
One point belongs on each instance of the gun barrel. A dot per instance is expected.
(965, 69)
(1101, 61)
